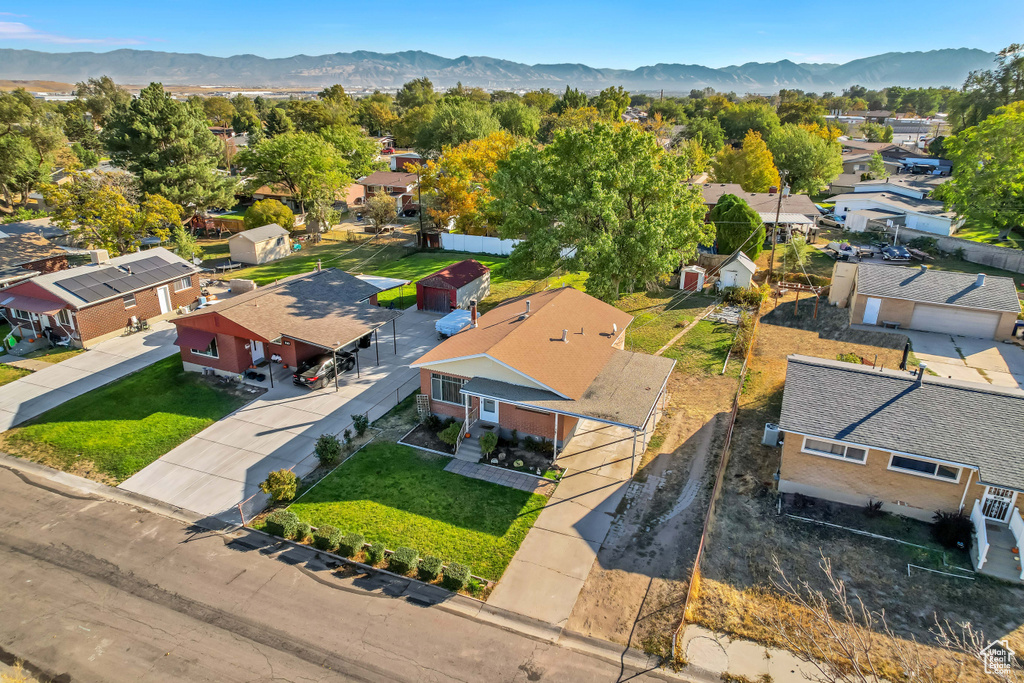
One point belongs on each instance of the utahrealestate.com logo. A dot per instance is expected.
(999, 659)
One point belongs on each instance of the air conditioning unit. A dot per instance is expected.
(771, 435)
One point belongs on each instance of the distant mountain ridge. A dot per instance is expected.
(373, 69)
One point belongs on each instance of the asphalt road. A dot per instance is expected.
(94, 590)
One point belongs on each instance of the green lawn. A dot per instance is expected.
(659, 316)
(213, 249)
(116, 430)
(399, 496)
(419, 265)
(342, 255)
(704, 348)
(989, 234)
(56, 355)
(9, 373)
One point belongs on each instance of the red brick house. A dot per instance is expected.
(95, 302)
(401, 187)
(296, 319)
(541, 363)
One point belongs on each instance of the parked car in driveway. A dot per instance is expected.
(316, 372)
(897, 253)
(830, 221)
(388, 150)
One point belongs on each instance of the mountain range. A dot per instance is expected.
(374, 69)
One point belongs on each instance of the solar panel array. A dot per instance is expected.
(108, 281)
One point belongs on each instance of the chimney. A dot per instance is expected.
(981, 280)
(920, 373)
(772, 189)
(565, 336)
(99, 255)
(472, 312)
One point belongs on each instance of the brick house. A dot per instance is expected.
(916, 444)
(539, 364)
(96, 301)
(294, 319)
(400, 186)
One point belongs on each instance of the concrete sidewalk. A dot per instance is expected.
(225, 463)
(36, 393)
(549, 569)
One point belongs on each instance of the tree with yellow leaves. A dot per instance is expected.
(826, 133)
(455, 185)
(753, 166)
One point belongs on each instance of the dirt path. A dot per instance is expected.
(635, 590)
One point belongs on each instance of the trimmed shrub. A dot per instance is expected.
(327, 538)
(328, 449)
(513, 438)
(303, 531)
(347, 435)
(351, 544)
(281, 485)
(429, 568)
(360, 423)
(952, 529)
(283, 523)
(848, 358)
(450, 434)
(455, 576)
(403, 560)
(530, 444)
(488, 442)
(433, 423)
(375, 553)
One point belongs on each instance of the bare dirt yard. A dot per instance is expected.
(749, 530)
(635, 591)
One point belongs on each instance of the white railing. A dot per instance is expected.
(981, 536)
(1017, 529)
(470, 421)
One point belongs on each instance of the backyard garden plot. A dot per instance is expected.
(659, 316)
(398, 496)
(112, 432)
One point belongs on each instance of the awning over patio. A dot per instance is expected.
(191, 338)
(624, 393)
(383, 283)
(31, 303)
(790, 218)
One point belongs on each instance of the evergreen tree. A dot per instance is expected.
(734, 222)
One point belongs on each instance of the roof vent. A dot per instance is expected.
(615, 329)
(920, 373)
(924, 267)
(981, 280)
(565, 336)
(527, 307)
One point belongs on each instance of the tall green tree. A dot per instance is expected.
(542, 100)
(876, 132)
(267, 211)
(805, 110)
(611, 102)
(706, 131)
(453, 123)
(612, 194)
(988, 182)
(517, 118)
(752, 167)
(811, 162)
(734, 223)
(570, 99)
(418, 92)
(759, 117)
(985, 91)
(359, 151)
(876, 166)
(219, 111)
(101, 96)
(409, 125)
(277, 123)
(167, 145)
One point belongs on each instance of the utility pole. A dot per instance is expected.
(419, 205)
(775, 227)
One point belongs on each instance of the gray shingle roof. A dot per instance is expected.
(262, 233)
(962, 422)
(937, 287)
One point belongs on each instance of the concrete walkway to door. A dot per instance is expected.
(36, 393)
(549, 569)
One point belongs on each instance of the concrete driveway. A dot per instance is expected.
(34, 394)
(225, 463)
(970, 359)
(548, 571)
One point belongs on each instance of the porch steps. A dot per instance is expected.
(469, 450)
(1001, 563)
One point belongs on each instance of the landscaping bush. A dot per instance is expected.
(429, 568)
(928, 245)
(455, 576)
(801, 279)
(281, 485)
(952, 529)
(450, 434)
(403, 560)
(350, 545)
(303, 531)
(848, 358)
(488, 442)
(743, 296)
(513, 439)
(347, 435)
(327, 538)
(360, 423)
(283, 523)
(530, 444)
(374, 553)
(433, 423)
(328, 449)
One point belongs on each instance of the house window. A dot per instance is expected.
(183, 283)
(20, 314)
(210, 351)
(64, 317)
(129, 301)
(446, 389)
(280, 241)
(924, 468)
(834, 449)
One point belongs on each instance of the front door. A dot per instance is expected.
(164, 295)
(256, 348)
(871, 311)
(488, 410)
(997, 503)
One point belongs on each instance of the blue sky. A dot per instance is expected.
(599, 33)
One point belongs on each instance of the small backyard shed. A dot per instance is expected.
(736, 272)
(260, 245)
(691, 279)
(453, 287)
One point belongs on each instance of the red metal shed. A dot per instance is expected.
(453, 286)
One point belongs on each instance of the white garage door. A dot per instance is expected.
(952, 320)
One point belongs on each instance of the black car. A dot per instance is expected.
(897, 253)
(316, 372)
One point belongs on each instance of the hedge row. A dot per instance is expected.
(286, 524)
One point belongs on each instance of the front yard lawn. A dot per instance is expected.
(55, 355)
(112, 432)
(399, 496)
(9, 373)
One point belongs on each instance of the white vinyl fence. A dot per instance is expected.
(478, 244)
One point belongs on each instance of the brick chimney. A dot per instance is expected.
(472, 312)
(772, 189)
